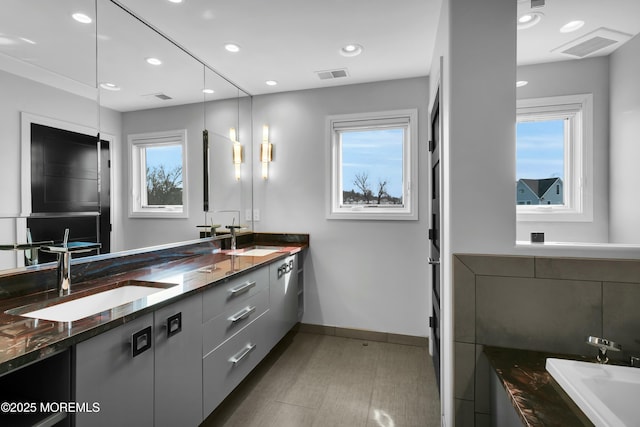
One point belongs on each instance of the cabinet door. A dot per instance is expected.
(283, 297)
(178, 363)
(115, 370)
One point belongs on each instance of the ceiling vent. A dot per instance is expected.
(161, 96)
(600, 42)
(332, 74)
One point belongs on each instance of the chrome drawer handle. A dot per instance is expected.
(242, 314)
(242, 288)
(433, 261)
(238, 357)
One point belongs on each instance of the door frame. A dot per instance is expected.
(438, 100)
(26, 119)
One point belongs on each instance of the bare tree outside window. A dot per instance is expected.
(361, 182)
(382, 190)
(164, 187)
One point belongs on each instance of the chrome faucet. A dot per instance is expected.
(64, 267)
(63, 252)
(603, 345)
(232, 228)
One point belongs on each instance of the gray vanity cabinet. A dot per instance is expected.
(283, 296)
(115, 370)
(235, 335)
(147, 372)
(178, 363)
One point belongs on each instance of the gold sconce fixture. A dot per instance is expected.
(237, 152)
(266, 152)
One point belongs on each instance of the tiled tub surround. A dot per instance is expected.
(547, 304)
(192, 268)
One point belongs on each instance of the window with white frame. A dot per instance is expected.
(373, 166)
(554, 159)
(158, 174)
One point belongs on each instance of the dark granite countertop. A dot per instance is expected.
(24, 340)
(537, 398)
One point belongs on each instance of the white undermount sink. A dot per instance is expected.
(92, 304)
(256, 251)
(607, 394)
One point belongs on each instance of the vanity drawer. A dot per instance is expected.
(218, 299)
(224, 368)
(236, 317)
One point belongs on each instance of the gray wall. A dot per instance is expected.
(358, 274)
(143, 232)
(536, 303)
(570, 78)
(625, 150)
(478, 46)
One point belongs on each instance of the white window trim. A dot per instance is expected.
(138, 141)
(578, 184)
(410, 167)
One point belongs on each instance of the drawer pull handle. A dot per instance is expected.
(244, 353)
(242, 288)
(141, 341)
(242, 314)
(174, 324)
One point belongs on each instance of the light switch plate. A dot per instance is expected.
(247, 214)
(256, 214)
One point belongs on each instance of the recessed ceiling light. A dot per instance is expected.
(208, 91)
(81, 17)
(571, 26)
(110, 86)
(529, 19)
(351, 50)
(271, 82)
(175, 1)
(521, 83)
(525, 18)
(232, 47)
(154, 61)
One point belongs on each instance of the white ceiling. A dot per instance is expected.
(536, 44)
(289, 40)
(283, 40)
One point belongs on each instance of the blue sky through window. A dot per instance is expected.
(540, 149)
(375, 152)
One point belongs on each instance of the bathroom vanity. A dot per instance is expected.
(168, 358)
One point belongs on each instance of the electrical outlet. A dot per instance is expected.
(247, 215)
(256, 214)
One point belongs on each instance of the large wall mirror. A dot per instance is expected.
(99, 77)
(570, 51)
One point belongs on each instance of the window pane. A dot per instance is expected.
(164, 175)
(540, 158)
(372, 167)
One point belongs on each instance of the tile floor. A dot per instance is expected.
(319, 380)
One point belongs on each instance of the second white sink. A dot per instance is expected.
(86, 306)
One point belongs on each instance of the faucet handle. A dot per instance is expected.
(603, 345)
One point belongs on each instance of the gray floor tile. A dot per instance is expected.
(312, 380)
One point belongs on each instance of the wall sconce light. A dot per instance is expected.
(266, 152)
(237, 152)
